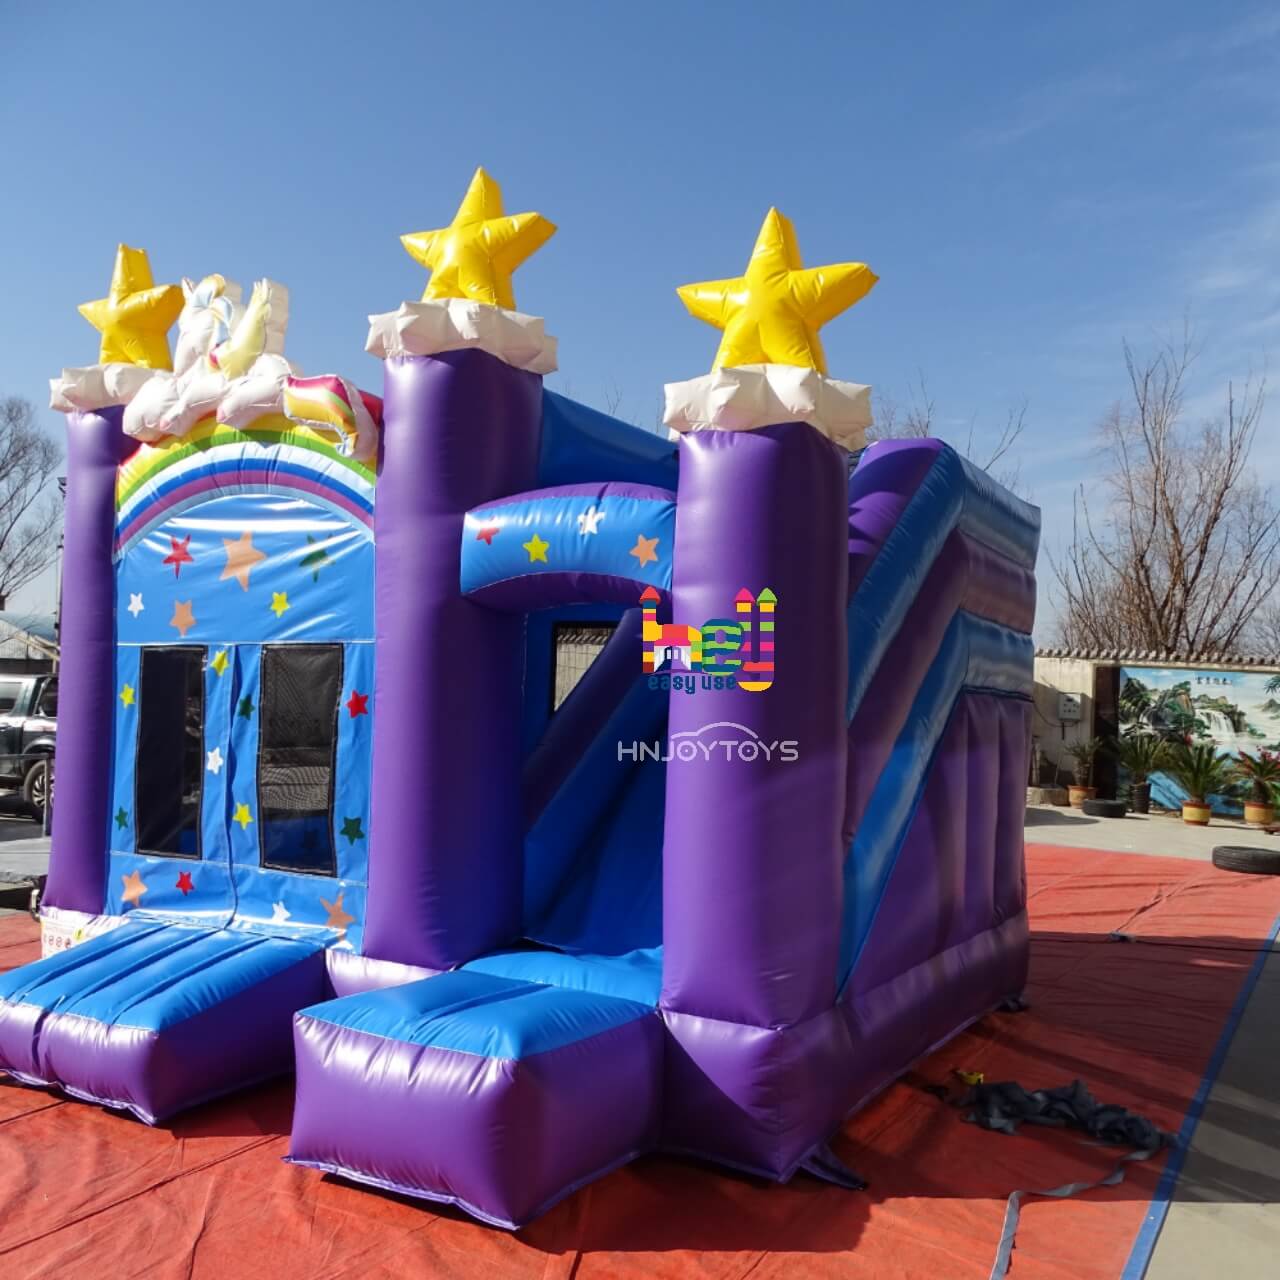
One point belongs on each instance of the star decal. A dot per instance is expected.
(179, 554)
(184, 883)
(183, 618)
(488, 533)
(126, 696)
(242, 558)
(589, 521)
(474, 256)
(133, 888)
(136, 315)
(122, 818)
(352, 830)
(220, 662)
(536, 548)
(358, 704)
(314, 560)
(278, 913)
(279, 602)
(242, 816)
(645, 550)
(213, 760)
(337, 917)
(772, 313)
(245, 708)
(135, 603)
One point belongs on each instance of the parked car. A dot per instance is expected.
(28, 724)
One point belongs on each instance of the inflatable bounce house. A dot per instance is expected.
(317, 811)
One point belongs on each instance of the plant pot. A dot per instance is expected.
(1079, 795)
(1196, 814)
(1259, 815)
(1140, 797)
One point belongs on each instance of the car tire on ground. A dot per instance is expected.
(35, 788)
(1104, 808)
(1248, 858)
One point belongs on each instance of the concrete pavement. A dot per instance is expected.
(1164, 834)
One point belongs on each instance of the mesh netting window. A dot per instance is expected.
(576, 646)
(297, 735)
(169, 772)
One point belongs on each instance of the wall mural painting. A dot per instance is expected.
(1237, 711)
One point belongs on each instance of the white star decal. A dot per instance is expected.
(278, 913)
(589, 521)
(135, 603)
(214, 763)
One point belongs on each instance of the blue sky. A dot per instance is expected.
(1032, 184)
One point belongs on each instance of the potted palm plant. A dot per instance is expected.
(1201, 772)
(1141, 754)
(1084, 752)
(1262, 773)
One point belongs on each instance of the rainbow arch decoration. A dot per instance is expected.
(274, 455)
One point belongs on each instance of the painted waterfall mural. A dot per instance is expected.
(1235, 710)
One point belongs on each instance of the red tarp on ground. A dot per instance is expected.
(85, 1192)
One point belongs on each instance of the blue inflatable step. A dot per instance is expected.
(491, 1093)
(155, 1017)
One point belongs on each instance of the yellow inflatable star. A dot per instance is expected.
(474, 256)
(772, 314)
(136, 315)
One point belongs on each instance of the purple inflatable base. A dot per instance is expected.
(761, 1100)
(501, 1137)
(440, 1197)
(155, 1073)
(140, 1113)
(504, 1140)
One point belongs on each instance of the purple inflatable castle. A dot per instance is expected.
(323, 803)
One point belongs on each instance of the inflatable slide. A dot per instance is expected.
(320, 807)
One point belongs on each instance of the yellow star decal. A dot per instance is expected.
(536, 548)
(645, 550)
(126, 695)
(133, 888)
(337, 917)
(242, 558)
(136, 315)
(183, 618)
(220, 662)
(242, 816)
(279, 602)
(772, 314)
(474, 256)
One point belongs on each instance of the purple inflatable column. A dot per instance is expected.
(86, 671)
(751, 858)
(445, 862)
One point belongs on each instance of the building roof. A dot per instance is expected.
(1153, 657)
(39, 626)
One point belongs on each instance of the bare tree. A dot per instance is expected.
(1175, 547)
(918, 419)
(29, 513)
(1264, 630)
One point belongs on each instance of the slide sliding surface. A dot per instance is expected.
(594, 795)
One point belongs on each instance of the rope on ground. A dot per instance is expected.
(1006, 1106)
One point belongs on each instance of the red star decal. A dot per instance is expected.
(184, 882)
(179, 555)
(488, 533)
(358, 704)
